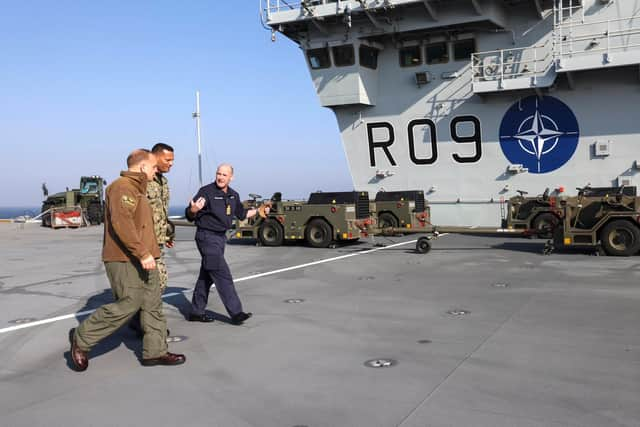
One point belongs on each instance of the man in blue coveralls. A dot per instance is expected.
(213, 209)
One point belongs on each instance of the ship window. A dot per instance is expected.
(462, 49)
(410, 56)
(344, 55)
(369, 57)
(319, 58)
(437, 53)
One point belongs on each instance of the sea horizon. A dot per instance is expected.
(8, 212)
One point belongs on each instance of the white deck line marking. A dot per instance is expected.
(241, 279)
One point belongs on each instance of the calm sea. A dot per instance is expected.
(12, 212)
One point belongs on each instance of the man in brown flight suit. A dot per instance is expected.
(129, 253)
(158, 197)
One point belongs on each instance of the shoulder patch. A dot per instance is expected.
(128, 201)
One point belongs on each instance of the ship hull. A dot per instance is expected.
(470, 192)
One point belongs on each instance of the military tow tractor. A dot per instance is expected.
(400, 209)
(89, 197)
(606, 219)
(322, 220)
(535, 216)
(540, 215)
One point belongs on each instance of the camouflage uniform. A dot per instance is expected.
(158, 195)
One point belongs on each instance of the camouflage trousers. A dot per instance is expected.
(162, 270)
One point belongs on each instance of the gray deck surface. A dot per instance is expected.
(558, 346)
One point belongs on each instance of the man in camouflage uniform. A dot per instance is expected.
(158, 197)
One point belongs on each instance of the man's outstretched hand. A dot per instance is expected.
(196, 206)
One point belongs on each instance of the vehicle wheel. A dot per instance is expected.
(620, 238)
(94, 213)
(46, 218)
(423, 245)
(386, 220)
(270, 233)
(544, 224)
(318, 233)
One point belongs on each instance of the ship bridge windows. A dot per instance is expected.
(462, 49)
(410, 56)
(343, 56)
(319, 58)
(345, 72)
(437, 53)
(368, 56)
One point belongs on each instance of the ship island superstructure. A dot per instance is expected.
(471, 100)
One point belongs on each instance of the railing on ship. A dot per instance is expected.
(525, 62)
(605, 36)
(275, 6)
(572, 38)
(268, 7)
(272, 6)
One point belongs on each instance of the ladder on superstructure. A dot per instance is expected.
(565, 11)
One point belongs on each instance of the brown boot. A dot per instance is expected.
(169, 359)
(78, 357)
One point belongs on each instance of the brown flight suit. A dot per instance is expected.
(128, 237)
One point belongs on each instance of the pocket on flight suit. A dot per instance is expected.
(137, 279)
(152, 278)
(125, 280)
(138, 276)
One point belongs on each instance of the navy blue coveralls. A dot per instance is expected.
(213, 221)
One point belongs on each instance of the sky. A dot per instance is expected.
(84, 83)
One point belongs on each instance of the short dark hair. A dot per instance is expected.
(137, 156)
(160, 147)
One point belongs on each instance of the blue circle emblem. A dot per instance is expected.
(539, 133)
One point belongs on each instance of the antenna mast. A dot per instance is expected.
(196, 116)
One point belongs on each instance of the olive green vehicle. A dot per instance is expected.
(90, 196)
(400, 209)
(535, 216)
(539, 216)
(602, 218)
(321, 221)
